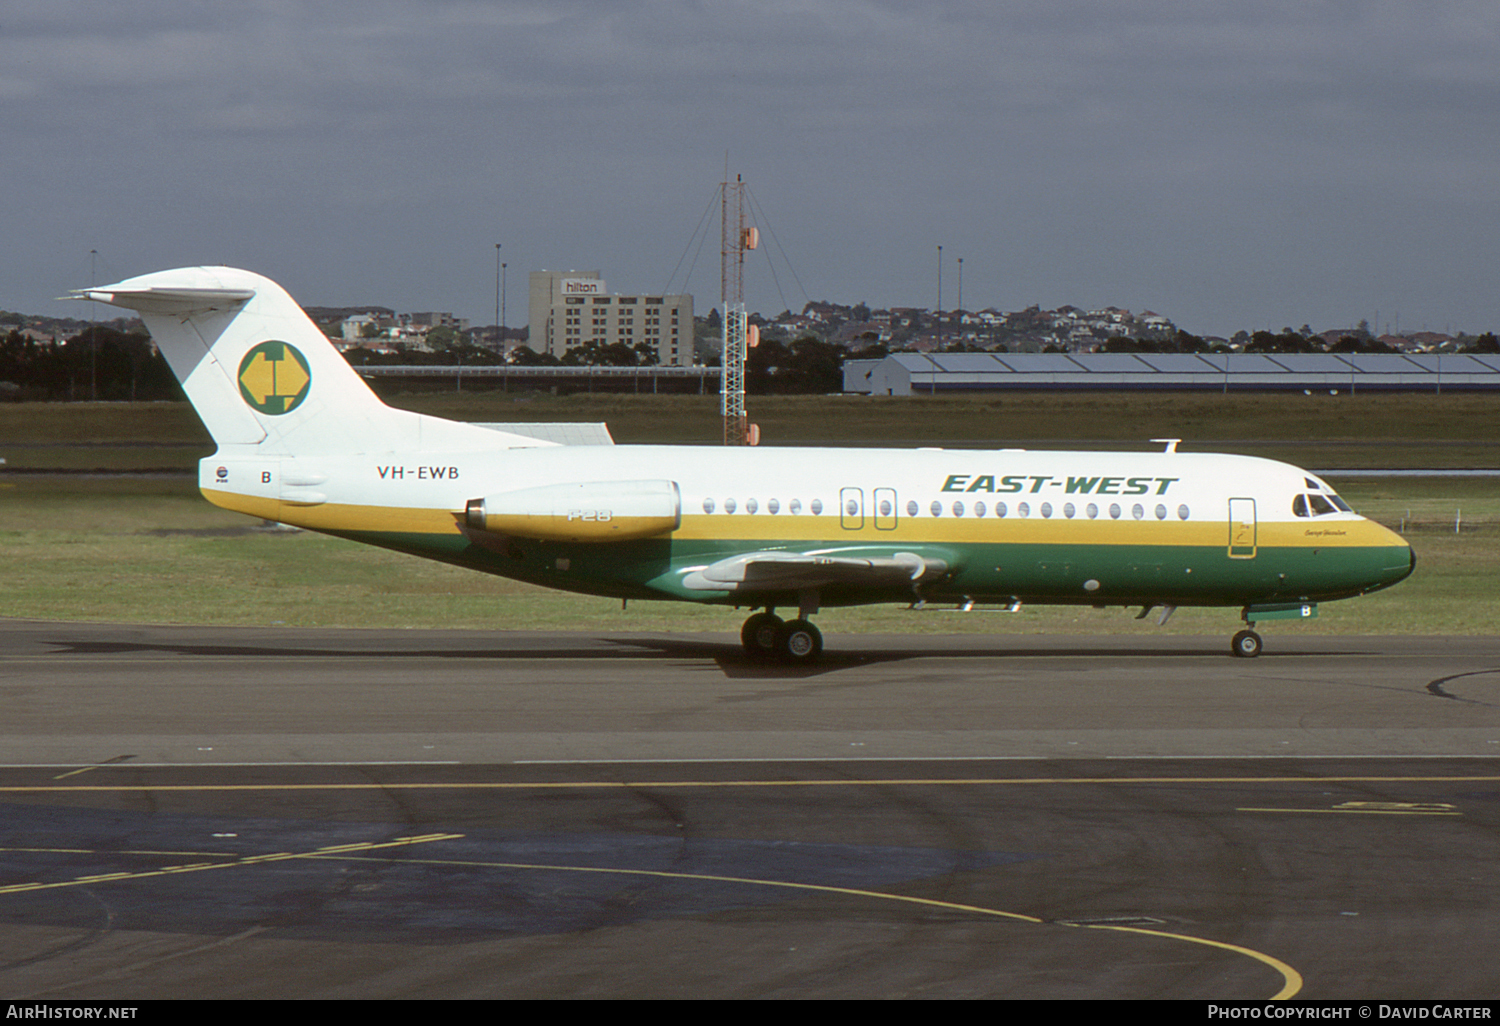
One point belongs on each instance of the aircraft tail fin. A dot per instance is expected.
(260, 372)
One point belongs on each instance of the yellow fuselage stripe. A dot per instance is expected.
(828, 528)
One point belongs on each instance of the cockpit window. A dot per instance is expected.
(1315, 505)
(1328, 493)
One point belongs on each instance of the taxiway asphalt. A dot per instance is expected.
(217, 812)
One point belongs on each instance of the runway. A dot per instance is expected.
(215, 812)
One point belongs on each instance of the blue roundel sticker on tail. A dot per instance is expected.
(274, 378)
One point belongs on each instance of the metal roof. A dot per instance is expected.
(908, 373)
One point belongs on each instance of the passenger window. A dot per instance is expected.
(937, 508)
(912, 507)
(728, 505)
(750, 506)
(1047, 510)
(772, 506)
(816, 507)
(708, 505)
(958, 509)
(1000, 510)
(1068, 510)
(1023, 510)
(794, 507)
(979, 509)
(1092, 510)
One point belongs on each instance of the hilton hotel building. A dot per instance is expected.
(571, 308)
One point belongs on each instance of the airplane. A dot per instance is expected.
(304, 441)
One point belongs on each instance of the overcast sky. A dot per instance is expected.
(1230, 165)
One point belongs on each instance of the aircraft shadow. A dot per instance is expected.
(733, 661)
(729, 657)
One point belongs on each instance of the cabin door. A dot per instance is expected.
(852, 508)
(885, 509)
(1242, 529)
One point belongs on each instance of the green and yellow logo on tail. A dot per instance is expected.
(274, 378)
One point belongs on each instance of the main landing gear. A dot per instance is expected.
(795, 642)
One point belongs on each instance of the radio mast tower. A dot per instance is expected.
(738, 336)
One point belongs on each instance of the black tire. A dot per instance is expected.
(798, 643)
(759, 635)
(1246, 645)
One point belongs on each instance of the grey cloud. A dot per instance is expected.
(1230, 164)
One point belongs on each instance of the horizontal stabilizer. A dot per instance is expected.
(167, 300)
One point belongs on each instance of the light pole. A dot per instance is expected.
(940, 284)
(960, 286)
(497, 287)
(93, 335)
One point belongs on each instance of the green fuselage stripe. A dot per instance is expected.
(1035, 573)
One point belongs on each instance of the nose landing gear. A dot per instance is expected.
(1246, 644)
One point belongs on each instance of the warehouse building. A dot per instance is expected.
(925, 374)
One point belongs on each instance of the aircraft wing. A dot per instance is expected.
(782, 571)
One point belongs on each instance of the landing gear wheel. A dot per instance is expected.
(798, 643)
(759, 635)
(1246, 645)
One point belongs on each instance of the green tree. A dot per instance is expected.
(525, 356)
(442, 339)
(1188, 343)
(1355, 343)
(1289, 341)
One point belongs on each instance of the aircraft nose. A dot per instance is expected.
(1410, 563)
(1401, 562)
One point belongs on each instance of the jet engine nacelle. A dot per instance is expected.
(585, 511)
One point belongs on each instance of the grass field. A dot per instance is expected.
(149, 549)
(1350, 431)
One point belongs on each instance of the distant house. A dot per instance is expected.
(851, 330)
(358, 326)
